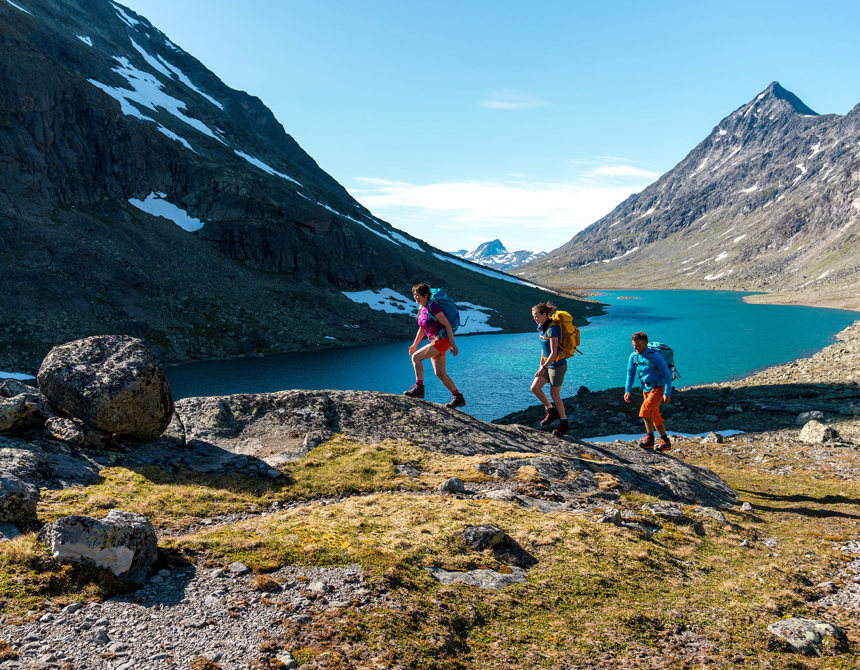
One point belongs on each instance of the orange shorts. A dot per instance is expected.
(441, 345)
(651, 405)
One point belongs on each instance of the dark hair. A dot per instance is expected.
(640, 336)
(544, 308)
(422, 289)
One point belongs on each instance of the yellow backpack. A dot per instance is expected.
(569, 334)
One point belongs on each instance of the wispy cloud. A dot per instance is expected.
(524, 214)
(622, 171)
(512, 100)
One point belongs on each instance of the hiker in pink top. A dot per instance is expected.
(433, 323)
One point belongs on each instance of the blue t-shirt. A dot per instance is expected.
(553, 330)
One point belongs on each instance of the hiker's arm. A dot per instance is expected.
(441, 318)
(631, 370)
(417, 341)
(553, 351)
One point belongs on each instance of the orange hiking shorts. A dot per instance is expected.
(651, 405)
(441, 345)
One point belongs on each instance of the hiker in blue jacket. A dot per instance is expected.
(433, 323)
(656, 380)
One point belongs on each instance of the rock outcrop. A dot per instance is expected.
(278, 427)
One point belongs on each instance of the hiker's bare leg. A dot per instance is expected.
(418, 359)
(555, 392)
(439, 368)
(649, 424)
(537, 389)
(662, 430)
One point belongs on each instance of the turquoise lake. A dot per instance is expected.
(716, 337)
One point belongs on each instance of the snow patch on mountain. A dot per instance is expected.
(473, 318)
(146, 91)
(256, 162)
(157, 205)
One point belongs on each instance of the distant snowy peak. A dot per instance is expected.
(494, 248)
(494, 255)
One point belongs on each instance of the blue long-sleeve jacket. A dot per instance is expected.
(652, 371)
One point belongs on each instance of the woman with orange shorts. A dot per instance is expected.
(433, 323)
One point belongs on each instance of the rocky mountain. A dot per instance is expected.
(140, 195)
(494, 255)
(769, 201)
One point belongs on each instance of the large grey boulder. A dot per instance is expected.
(122, 542)
(816, 432)
(110, 382)
(18, 500)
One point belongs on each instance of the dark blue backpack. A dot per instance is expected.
(668, 355)
(450, 310)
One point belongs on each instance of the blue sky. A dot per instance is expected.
(460, 122)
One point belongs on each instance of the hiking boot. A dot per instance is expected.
(647, 441)
(457, 400)
(417, 391)
(551, 415)
(562, 429)
(664, 444)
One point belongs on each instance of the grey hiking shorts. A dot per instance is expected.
(555, 376)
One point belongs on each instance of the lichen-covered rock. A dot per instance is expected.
(110, 382)
(816, 432)
(452, 485)
(666, 510)
(805, 417)
(77, 433)
(482, 537)
(15, 414)
(18, 500)
(810, 637)
(11, 388)
(483, 579)
(122, 542)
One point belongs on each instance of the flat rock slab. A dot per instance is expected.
(483, 579)
(283, 426)
(251, 433)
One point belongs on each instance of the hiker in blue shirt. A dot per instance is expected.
(551, 369)
(656, 380)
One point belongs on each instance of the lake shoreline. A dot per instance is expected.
(767, 400)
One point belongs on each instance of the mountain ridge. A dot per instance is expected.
(768, 201)
(493, 254)
(102, 116)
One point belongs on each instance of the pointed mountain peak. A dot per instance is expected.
(492, 248)
(781, 96)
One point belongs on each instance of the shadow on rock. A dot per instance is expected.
(509, 552)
